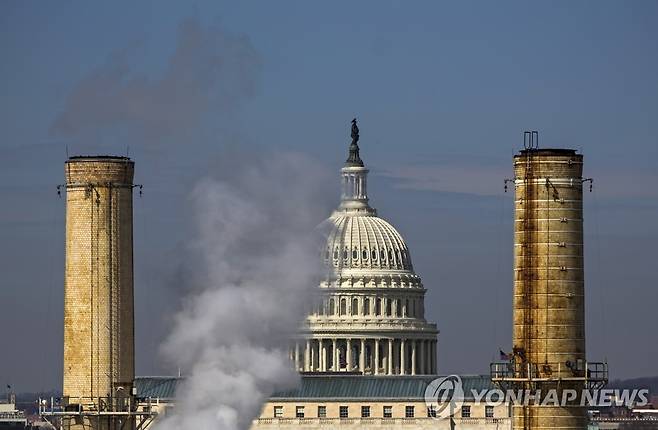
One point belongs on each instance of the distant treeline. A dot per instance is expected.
(647, 382)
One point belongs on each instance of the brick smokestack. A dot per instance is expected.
(98, 287)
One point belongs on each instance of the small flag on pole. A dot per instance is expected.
(504, 356)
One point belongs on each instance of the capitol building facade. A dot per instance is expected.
(371, 318)
(366, 354)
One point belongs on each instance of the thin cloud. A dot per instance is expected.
(209, 72)
(487, 180)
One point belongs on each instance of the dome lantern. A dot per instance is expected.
(354, 175)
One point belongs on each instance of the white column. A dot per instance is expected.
(362, 356)
(389, 357)
(334, 366)
(348, 354)
(323, 356)
(296, 355)
(403, 361)
(376, 357)
(313, 356)
(413, 357)
(307, 356)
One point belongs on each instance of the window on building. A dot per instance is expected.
(409, 412)
(332, 307)
(398, 308)
(364, 254)
(378, 307)
(388, 308)
(278, 412)
(299, 412)
(489, 411)
(366, 306)
(355, 306)
(388, 412)
(406, 308)
(343, 411)
(365, 411)
(431, 412)
(466, 411)
(374, 254)
(355, 254)
(343, 307)
(322, 412)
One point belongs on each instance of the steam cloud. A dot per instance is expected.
(252, 268)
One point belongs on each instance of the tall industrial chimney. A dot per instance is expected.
(98, 288)
(549, 294)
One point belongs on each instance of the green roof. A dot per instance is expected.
(374, 387)
(163, 387)
(333, 387)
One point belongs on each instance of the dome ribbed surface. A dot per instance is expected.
(365, 241)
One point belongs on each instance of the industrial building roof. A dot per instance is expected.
(162, 387)
(333, 387)
(373, 387)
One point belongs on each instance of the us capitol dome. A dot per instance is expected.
(371, 316)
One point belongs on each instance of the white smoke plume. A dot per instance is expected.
(253, 268)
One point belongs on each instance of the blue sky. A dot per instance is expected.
(443, 91)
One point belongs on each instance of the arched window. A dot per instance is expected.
(355, 306)
(382, 254)
(345, 254)
(343, 307)
(355, 254)
(332, 307)
(336, 254)
(364, 254)
(378, 307)
(366, 306)
(374, 254)
(388, 307)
